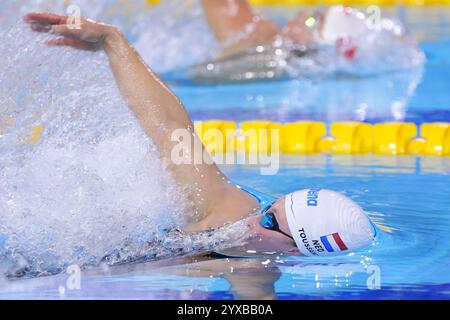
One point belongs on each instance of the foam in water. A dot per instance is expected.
(386, 48)
(79, 179)
(169, 36)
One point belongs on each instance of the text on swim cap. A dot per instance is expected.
(306, 242)
(312, 196)
(318, 246)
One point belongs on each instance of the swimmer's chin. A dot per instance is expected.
(262, 240)
(256, 239)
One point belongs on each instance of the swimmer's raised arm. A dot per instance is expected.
(159, 113)
(235, 21)
(227, 16)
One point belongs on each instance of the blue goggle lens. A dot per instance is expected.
(268, 221)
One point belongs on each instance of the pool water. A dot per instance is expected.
(409, 196)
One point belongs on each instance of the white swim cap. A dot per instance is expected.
(324, 222)
(340, 21)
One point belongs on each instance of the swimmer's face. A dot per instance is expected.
(272, 240)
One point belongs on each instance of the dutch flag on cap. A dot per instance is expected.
(333, 242)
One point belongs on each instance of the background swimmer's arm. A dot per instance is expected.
(226, 17)
(235, 18)
(159, 113)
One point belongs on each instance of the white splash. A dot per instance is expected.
(169, 36)
(78, 176)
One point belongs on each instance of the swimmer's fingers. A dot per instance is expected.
(86, 31)
(45, 18)
(71, 42)
(43, 22)
(40, 27)
(64, 30)
(78, 33)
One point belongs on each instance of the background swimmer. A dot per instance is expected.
(307, 222)
(334, 40)
(238, 27)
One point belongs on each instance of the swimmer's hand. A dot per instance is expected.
(84, 34)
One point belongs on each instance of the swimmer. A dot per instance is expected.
(335, 40)
(238, 27)
(310, 222)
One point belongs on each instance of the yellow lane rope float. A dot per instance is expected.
(309, 137)
(343, 2)
(351, 2)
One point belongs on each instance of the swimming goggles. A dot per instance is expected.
(269, 222)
